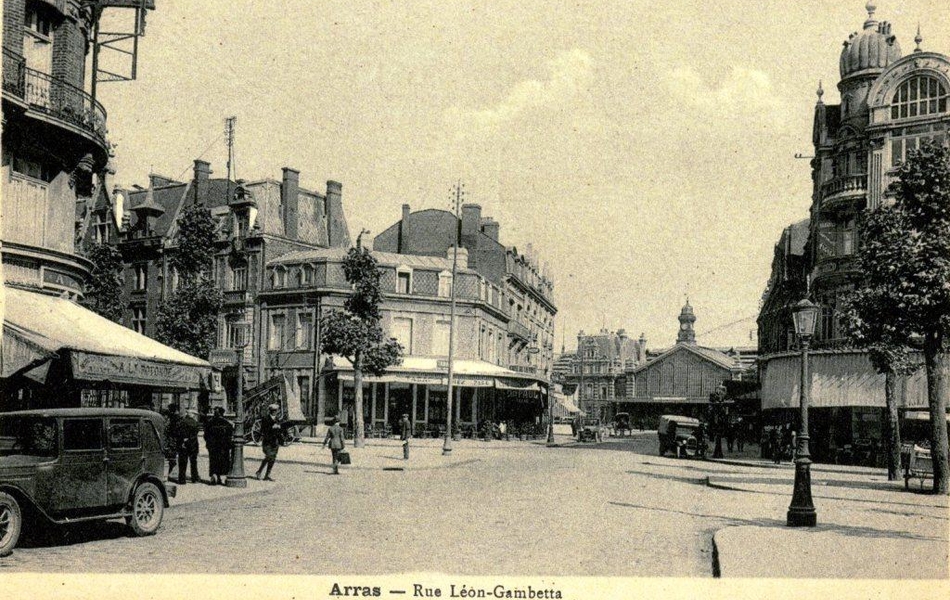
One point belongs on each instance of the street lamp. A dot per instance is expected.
(801, 512)
(236, 477)
(551, 443)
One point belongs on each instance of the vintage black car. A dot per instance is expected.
(81, 464)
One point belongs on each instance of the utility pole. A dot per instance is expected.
(229, 130)
(447, 444)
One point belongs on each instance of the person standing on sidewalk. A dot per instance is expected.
(405, 432)
(335, 440)
(270, 441)
(218, 434)
(188, 446)
(172, 419)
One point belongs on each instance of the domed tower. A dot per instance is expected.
(864, 57)
(686, 334)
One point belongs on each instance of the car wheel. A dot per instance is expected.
(11, 523)
(148, 508)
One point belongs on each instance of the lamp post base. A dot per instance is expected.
(236, 477)
(447, 447)
(801, 512)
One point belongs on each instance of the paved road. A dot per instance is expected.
(504, 509)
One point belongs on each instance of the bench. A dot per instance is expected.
(919, 466)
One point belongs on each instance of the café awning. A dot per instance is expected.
(40, 328)
(433, 371)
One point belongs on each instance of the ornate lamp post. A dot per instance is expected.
(801, 512)
(236, 477)
(551, 443)
(716, 400)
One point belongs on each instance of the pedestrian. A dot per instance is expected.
(335, 440)
(730, 435)
(787, 438)
(188, 446)
(775, 444)
(218, 434)
(270, 442)
(405, 432)
(172, 419)
(740, 435)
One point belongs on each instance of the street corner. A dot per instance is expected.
(756, 551)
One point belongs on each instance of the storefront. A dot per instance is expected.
(482, 392)
(57, 354)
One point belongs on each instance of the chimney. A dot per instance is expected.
(643, 347)
(289, 191)
(490, 228)
(338, 236)
(403, 230)
(462, 262)
(202, 181)
(471, 223)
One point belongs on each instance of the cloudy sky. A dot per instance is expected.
(645, 148)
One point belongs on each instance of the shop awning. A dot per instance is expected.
(38, 328)
(566, 404)
(433, 371)
(839, 379)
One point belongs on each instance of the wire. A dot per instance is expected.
(200, 156)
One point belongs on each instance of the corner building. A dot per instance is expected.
(889, 103)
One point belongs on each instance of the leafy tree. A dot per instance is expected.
(188, 320)
(104, 287)
(906, 250)
(355, 333)
(873, 319)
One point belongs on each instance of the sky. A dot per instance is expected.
(646, 149)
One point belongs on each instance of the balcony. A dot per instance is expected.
(237, 297)
(526, 369)
(52, 96)
(519, 332)
(845, 186)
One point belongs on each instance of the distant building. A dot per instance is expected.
(680, 379)
(598, 370)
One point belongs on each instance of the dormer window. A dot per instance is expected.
(919, 96)
(279, 278)
(101, 227)
(445, 284)
(403, 280)
(306, 275)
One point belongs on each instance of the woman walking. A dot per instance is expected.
(335, 440)
(218, 433)
(270, 441)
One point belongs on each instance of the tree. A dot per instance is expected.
(873, 319)
(355, 333)
(906, 255)
(188, 320)
(103, 293)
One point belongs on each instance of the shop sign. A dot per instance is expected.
(125, 369)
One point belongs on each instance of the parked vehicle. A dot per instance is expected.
(622, 424)
(592, 430)
(81, 464)
(678, 434)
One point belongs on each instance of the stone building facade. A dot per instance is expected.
(889, 101)
(598, 369)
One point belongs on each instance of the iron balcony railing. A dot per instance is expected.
(53, 96)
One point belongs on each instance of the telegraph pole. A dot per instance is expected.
(447, 444)
(229, 130)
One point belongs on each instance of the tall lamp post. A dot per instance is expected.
(550, 419)
(236, 477)
(801, 512)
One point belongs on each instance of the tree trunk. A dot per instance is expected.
(892, 435)
(937, 389)
(358, 440)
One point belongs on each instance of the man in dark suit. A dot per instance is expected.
(172, 418)
(188, 446)
(271, 436)
(405, 432)
(335, 440)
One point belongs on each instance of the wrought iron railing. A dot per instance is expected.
(57, 98)
(14, 69)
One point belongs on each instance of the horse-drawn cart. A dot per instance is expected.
(277, 391)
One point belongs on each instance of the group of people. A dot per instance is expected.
(181, 433)
(780, 443)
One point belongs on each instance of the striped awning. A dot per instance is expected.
(839, 379)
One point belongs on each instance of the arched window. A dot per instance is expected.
(919, 96)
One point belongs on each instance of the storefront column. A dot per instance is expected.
(427, 404)
(457, 405)
(475, 394)
(372, 410)
(414, 400)
(339, 400)
(385, 403)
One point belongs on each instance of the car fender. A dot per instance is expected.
(149, 478)
(27, 505)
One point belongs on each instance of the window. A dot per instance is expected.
(34, 169)
(402, 331)
(303, 387)
(306, 275)
(37, 19)
(304, 334)
(445, 284)
(440, 338)
(138, 319)
(919, 96)
(403, 282)
(235, 334)
(906, 140)
(101, 227)
(276, 333)
(280, 277)
(239, 277)
(38, 30)
(82, 434)
(141, 277)
(31, 436)
(242, 225)
(124, 434)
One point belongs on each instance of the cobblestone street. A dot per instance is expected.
(504, 508)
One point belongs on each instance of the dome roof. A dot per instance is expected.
(872, 48)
